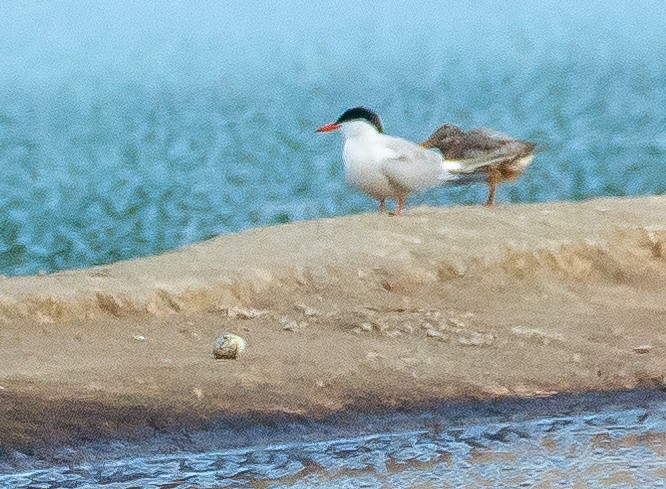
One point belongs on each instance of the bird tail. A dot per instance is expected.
(469, 166)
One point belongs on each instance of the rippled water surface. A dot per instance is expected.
(613, 448)
(127, 129)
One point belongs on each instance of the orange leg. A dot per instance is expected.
(491, 194)
(401, 203)
(398, 209)
(382, 206)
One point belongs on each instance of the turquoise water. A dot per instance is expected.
(130, 129)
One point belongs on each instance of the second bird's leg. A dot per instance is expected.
(398, 209)
(382, 205)
(492, 183)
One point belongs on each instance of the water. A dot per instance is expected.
(128, 129)
(611, 447)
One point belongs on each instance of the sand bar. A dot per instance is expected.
(363, 313)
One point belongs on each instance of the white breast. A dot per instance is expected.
(363, 157)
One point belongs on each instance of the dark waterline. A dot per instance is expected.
(592, 437)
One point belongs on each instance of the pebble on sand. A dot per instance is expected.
(295, 326)
(229, 346)
(307, 310)
(433, 333)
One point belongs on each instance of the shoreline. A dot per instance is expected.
(360, 313)
(190, 433)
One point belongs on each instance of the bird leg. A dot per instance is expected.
(492, 182)
(382, 206)
(398, 209)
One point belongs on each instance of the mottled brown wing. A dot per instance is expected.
(454, 143)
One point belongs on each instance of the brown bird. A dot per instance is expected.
(507, 157)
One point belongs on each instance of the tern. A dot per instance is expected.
(387, 167)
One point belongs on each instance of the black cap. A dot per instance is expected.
(361, 113)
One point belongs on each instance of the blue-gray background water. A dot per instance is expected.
(130, 128)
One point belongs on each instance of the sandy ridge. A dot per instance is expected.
(594, 240)
(358, 313)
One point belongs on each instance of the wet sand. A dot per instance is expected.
(360, 313)
(610, 439)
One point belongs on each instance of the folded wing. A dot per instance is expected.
(414, 168)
